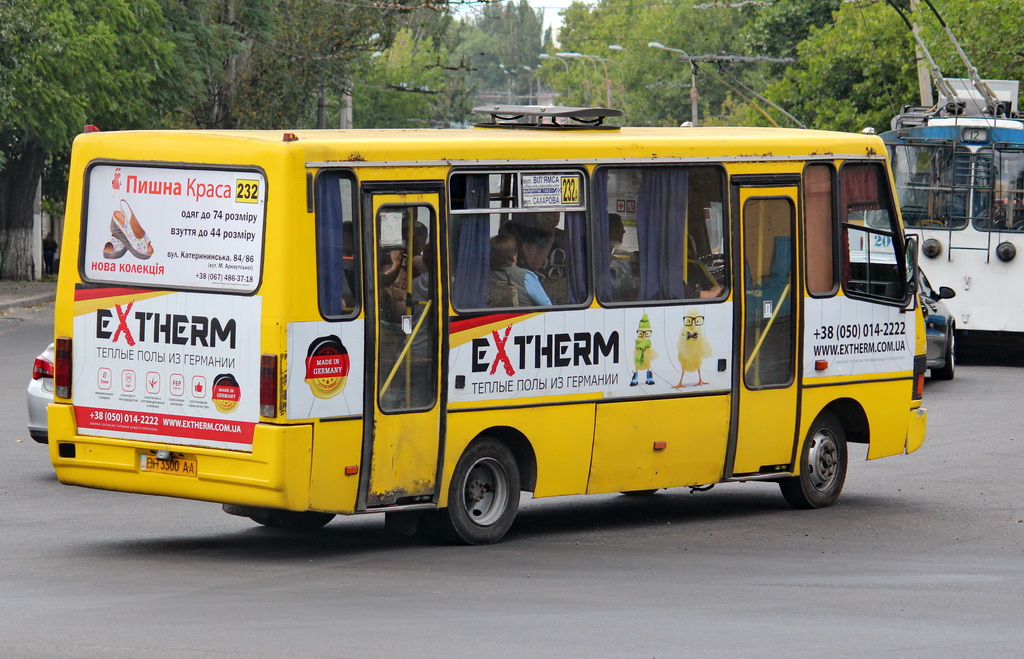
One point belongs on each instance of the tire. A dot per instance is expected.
(823, 461)
(948, 370)
(483, 497)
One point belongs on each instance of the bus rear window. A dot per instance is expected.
(170, 227)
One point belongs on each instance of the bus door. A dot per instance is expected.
(402, 443)
(764, 416)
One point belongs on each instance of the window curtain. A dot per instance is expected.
(602, 252)
(859, 189)
(576, 274)
(330, 246)
(661, 231)
(471, 239)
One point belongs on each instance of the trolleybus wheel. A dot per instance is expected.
(949, 369)
(822, 466)
(484, 494)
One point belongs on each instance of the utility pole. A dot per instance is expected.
(924, 78)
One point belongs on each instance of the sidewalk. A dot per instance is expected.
(18, 294)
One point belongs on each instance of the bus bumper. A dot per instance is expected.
(274, 475)
(916, 428)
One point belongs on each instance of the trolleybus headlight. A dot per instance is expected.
(931, 248)
(1006, 251)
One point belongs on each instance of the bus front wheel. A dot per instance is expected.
(823, 462)
(484, 494)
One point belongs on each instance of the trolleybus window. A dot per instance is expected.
(531, 253)
(1008, 207)
(659, 233)
(872, 266)
(338, 281)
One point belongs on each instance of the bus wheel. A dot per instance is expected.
(822, 466)
(484, 494)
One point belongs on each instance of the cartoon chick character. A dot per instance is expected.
(693, 346)
(643, 352)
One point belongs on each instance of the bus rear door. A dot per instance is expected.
(402, 444)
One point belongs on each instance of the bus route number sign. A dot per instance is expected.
(552, 189)
(247, 191)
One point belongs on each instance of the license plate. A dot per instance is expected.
(174, 466)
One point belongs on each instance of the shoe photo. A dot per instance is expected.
(126, 227)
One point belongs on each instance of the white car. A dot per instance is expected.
(40, 394)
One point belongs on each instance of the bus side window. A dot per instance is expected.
(819, 230)
(337, 256)
(663, 230)
(872, 251)
(505, 246)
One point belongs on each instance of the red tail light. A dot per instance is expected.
(42, 368)
(268, 385)
(62, 367)
(920, 367)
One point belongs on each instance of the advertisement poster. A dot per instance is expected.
(856, 338)
(188, 228)
(652, 351)
(325, 369)
(180, 368)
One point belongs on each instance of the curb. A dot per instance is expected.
(27, 301)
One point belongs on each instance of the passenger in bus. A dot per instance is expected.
(623, 283)
(394, 279)
(511, 285)
(542, 250)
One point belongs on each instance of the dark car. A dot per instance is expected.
(939, 327)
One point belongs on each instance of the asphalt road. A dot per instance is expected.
(922, 557)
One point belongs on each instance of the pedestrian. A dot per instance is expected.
(49, 254)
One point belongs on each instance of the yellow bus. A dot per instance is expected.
(427, 323)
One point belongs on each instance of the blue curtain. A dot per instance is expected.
(329, 246)
(575, 257)
(472, 253)
(661, 231)
(602, 252)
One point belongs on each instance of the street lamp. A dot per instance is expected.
(586, 78)
(693, 76)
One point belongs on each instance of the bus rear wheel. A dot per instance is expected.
(483, 497)
(823, 461)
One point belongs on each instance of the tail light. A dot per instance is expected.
(268, 385)
(62, 367)
(42, 368)
(920, 366)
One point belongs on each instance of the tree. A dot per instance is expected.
(65, 63)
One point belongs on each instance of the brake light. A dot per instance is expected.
(42, 368)
(62, 367)
(268, 385)
(920, 367)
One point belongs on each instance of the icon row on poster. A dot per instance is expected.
(152, 383)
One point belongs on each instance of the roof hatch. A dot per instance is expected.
(548, 117)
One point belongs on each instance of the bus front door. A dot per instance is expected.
(402, 444)
(764, 413)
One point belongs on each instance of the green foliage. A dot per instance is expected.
(399, 87)
(842, 83)
(501, 47)
(65, 63)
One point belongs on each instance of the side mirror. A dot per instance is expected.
(945, 292)
(910, 259)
